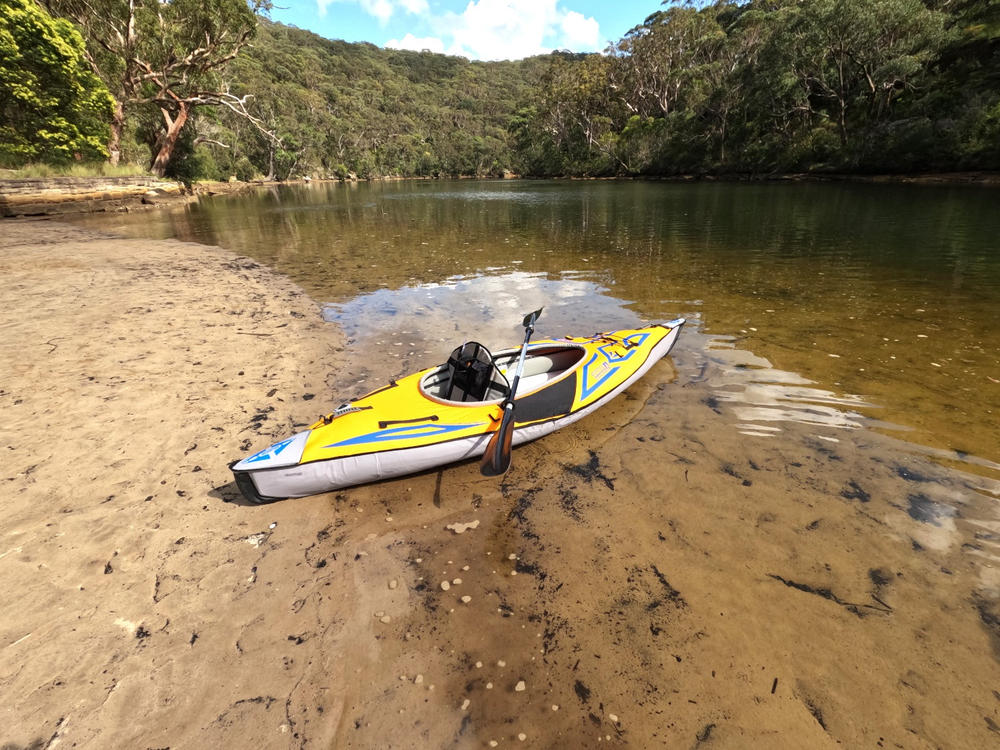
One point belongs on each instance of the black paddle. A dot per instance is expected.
(496, 459)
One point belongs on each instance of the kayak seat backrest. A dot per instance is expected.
(472, 376)
(540, 367)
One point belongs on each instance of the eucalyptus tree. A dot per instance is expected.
(166, 54)
(52, 107)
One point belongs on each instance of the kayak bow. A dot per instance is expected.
(422, 420)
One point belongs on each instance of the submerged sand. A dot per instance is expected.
(649, 577)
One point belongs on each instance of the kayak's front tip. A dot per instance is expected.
(676, 323)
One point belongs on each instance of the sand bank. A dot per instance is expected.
(649, 578)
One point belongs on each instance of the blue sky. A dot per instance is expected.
(477, 29)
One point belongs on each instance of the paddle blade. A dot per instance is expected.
(496, 459)
(530, 318)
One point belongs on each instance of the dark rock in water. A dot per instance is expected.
(911, 476)
(925, 510)
(853, 491)
(591, 471)
(879, 577)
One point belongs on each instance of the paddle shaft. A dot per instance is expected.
(496, 459)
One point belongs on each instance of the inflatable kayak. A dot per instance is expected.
(449, 412)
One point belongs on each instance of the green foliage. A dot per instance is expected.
(752, 86)
(52, 108)
(778, 85)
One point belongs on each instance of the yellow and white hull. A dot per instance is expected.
(407, 427)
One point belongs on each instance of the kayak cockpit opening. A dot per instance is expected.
(489, 380)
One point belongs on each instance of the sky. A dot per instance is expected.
(477, 29)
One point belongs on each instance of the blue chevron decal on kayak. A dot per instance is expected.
(402, 433)
(586, 387)
(269, 452)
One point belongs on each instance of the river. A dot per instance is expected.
(802, 500)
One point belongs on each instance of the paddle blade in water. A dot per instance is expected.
(496, 459)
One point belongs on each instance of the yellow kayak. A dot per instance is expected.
(449, 412)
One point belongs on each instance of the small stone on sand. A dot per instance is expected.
(489, 685)
(520, 686)
(555, 707)
(501, 663)
(456, 581)
(466, 599)
(393, 583)
(613, 718)
(418, 679)
(465, 704)
(479, 665)
(461, 528)
(511, 556)
(385, 619)
(521, 737)
(445, 585)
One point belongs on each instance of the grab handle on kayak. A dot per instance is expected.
(386, 423)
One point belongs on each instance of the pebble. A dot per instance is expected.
(511, 556)
(522, 737)
(520, 686)
(466, 599)
(555, 707)
(385, 620)
(465, 567)
(456, 581)
(461, 528)
(465, 704)
(393, 583)
(493, 743)
(513, 572)
(418, 679)
(613, 718)
(501, 663)
(445, 585)
(489, 685)
(479, 665)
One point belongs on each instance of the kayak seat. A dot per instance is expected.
(540, 367)
(472, 375)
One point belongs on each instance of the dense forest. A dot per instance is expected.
(212, 88)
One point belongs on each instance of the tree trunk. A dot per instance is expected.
(115, 140)
(169, 141)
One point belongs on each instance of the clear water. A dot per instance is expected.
(831, 305)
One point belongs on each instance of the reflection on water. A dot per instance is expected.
(489, 308)
(881, 300)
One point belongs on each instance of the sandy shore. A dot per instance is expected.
(650, 578)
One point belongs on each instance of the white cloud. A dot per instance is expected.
(486, 29)
(579, 32)
(417, 43)
(380, 9)
(511, 29)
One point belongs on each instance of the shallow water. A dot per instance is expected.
(788, 528)
(878, 303)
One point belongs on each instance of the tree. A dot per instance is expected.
(165, 54)
(52, 107)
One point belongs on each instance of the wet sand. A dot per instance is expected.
(649, 577)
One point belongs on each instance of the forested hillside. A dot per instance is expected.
(759, 87)
(340, 108)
